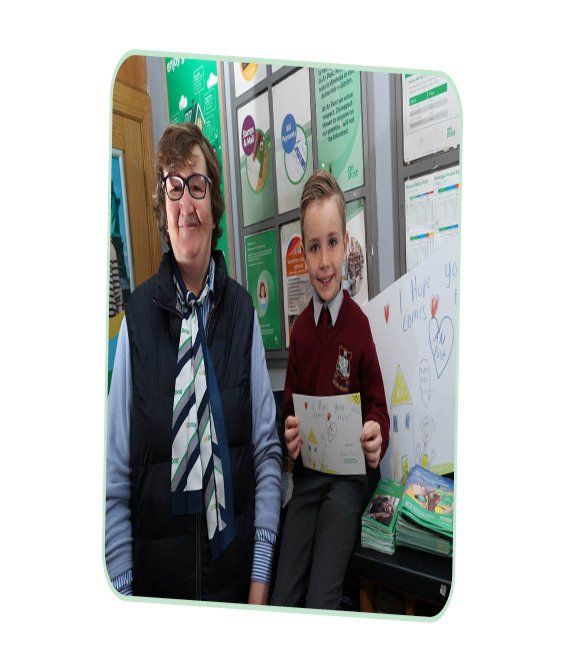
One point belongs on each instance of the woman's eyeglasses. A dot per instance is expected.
(196, 183)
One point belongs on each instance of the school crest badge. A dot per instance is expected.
(343, 369)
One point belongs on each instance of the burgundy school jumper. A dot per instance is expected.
(322, 521)
(347, 362)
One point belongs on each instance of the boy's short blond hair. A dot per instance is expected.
(319, 186)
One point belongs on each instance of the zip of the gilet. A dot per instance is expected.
(198, 563)
(198, 554)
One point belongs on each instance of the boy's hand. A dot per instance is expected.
(371, 441)
(292, 436)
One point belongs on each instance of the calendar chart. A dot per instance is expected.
(432, 213)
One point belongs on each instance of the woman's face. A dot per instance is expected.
(190, 223)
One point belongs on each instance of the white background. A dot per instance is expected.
(57, 65)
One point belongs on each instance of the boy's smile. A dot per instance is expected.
(324, 247)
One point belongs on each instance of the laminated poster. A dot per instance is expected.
(432, 213)
(293, 137)
(192, 91)
(354, 277)
(297, 289)
(247, 75)
(255, 156)
(339, 125)
(263, 285)
(431, 115)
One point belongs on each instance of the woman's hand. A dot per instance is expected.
(258, 593)
(371, 442)
(292, 436)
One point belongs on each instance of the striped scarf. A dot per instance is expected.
(200, 464)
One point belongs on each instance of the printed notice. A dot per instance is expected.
(432, 204)
(430, 115)
(330, 429)
(296, 283)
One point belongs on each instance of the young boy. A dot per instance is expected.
(331, 352)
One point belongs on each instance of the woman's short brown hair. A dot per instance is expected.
(174, 152)
(319, 186)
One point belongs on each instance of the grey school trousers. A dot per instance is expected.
(322, 525)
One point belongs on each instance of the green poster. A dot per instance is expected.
(339, 125)
(192, 90)
(263, 285)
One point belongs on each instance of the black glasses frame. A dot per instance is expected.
(186, 184)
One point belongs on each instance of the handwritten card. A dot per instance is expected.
(330, 429)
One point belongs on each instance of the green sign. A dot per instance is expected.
(192, 91)
(339, 125)
(263, 285)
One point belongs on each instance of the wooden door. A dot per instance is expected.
(132, 133)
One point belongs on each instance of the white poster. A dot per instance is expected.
(415, 328)
(354, 277)
(430, 115)
(247, 75)
(255, 158)
(431, 205)
(293, 137)
(297, 289)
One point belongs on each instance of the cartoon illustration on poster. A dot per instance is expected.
(255, 157)
(246, 75)
(293, 137)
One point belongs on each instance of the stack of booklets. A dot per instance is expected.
(378, 523)
(425, 518)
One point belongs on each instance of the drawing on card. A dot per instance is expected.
(331, 427)
(425, 376)
(424, 455)
(401, 426)
(441, 342)
(312, 448)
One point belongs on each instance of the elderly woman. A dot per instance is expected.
(194, 460)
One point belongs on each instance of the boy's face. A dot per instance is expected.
(324, 247)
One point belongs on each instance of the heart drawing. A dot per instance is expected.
(441, 342)
(435, 304)
(387, 312)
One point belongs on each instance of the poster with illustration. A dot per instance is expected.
(293, 137)
(297, 289)
(339, 125)
(414, 323)
(354, 277)
(246, 75)
(255, 157)
(330, 429)
(263, 285)
(193, 96)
